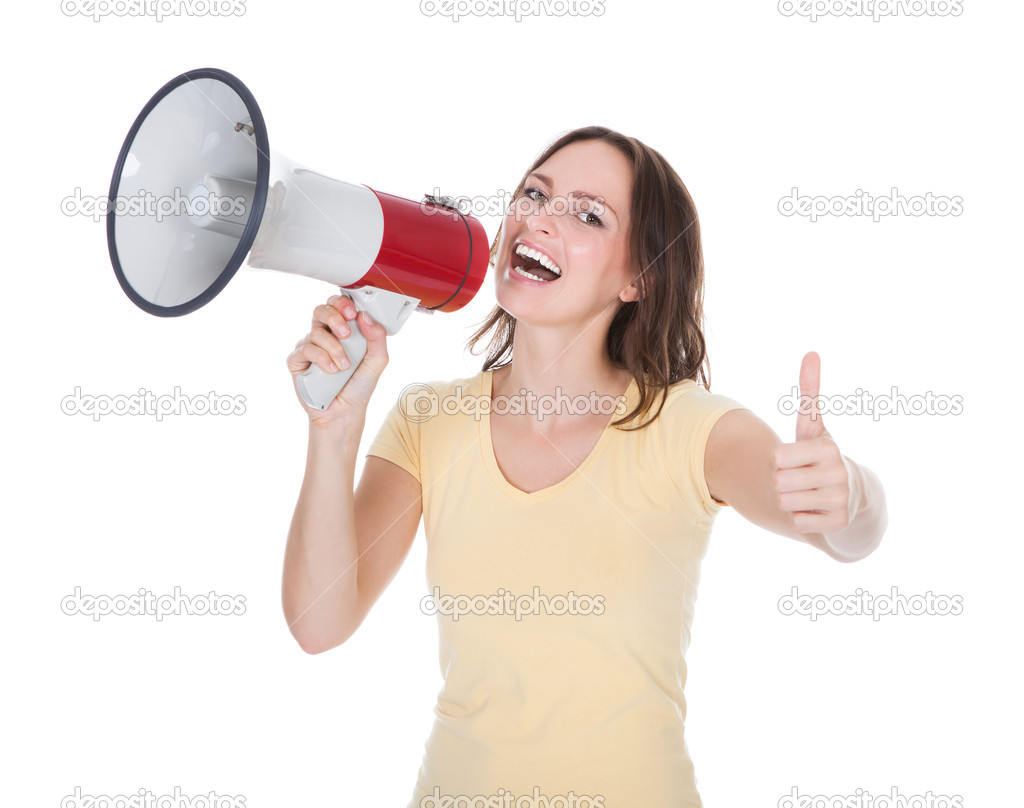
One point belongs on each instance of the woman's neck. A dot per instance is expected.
(549, 367)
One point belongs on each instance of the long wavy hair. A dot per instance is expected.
(659, 337)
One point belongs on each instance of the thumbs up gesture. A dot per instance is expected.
(812, 481)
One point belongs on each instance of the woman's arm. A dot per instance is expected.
(805, 490)
(344, 547)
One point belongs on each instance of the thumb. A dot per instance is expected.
(376, 339)
(808, 419)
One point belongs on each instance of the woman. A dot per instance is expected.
(581, 529)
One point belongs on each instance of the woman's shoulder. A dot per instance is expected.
(422, 401)
(471, 384)
(687, 399)
(683, 390)
(455, 386)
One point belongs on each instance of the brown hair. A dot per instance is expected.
(659, 337)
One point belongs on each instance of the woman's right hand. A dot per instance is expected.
(332, 322)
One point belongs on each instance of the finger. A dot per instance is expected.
(371, 329)
(376, 335)
(306, 355)
(817, 522)
(804, 452)
(807, 478)
(829, 500)
(296, 361)
(318, 356)
(346, 306)
(808, 423)
(340, 304)
(329, 342)
(331, 318)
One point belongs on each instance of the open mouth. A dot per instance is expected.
(533, 265)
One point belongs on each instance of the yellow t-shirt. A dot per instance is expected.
(579, 695)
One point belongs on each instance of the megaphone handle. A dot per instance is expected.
(317, 388)
(386, 308)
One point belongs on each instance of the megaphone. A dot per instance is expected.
(196, 189)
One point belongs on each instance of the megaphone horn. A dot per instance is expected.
(205, 191)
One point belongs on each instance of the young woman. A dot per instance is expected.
(574, 532)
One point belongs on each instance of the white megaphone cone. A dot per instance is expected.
(196, 189)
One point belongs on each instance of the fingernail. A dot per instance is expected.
(334, 367)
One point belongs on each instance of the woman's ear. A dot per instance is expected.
(631, 293)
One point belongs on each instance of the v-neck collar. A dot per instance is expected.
(491, 462)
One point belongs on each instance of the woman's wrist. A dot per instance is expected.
(346, 428)
(868, 514)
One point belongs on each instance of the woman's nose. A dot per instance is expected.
(536, 225)
(540, 219)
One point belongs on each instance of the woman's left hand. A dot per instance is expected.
(812, 479)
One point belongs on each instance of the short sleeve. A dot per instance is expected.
(398, 440)
(686, 421)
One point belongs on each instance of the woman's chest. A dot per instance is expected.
(532, 461)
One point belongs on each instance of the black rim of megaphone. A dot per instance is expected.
(255, 213)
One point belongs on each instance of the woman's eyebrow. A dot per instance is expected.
(580, 194)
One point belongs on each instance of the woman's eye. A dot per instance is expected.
(586, 216)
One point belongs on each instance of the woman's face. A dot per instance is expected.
(575, 210)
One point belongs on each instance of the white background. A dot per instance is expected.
(746, 103)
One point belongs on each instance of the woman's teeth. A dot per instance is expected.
(542, 261)
(526, 274)
(539, 257)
